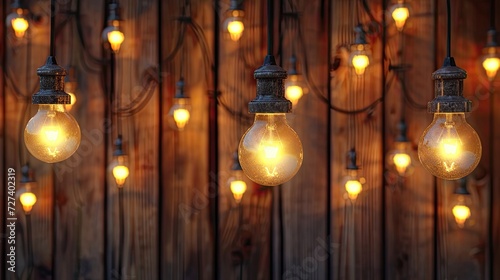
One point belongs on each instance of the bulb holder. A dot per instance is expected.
(236, 5)
(51, 84)
(402, 132)
(448, 89)
(270, 89)
(114, 12)
(26, 174)
(293, 66)
(352, 160)
(491, 39)
(118, 147)
(180, 85)
(461, 189)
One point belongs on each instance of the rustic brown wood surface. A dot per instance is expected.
(285, 232)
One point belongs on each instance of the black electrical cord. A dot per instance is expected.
(270, 33)
(52, 27)
(492, 15)
(448, 29)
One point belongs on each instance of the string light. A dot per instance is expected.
(112, 34)
(353, 182)
(400, 12)
(179, 113)
(18, 20)
(234, 23)
(491, 56)
(360, 52)
(401, 157)
(293, 87)
(461, 210)
(119, 167)
(236, 182)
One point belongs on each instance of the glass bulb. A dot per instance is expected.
(449, 147)
(27, 199)
(293, 90)
(360, 59)
(113, 36)
(400, 14)
(18, 22)
(52, 135)
(179, 113)
(353, 184)
(491, 65)
(400, 159)
(461, 213)
(120, 170)
(235, 28)
(237, 185)
(270, 152)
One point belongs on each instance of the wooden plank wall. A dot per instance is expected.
(305, 229)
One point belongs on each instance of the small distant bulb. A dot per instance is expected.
(360, 59)
(19, 23)
(400, 14)
(27, 199)
(491, 65)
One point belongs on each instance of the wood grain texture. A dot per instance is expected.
(278, 233)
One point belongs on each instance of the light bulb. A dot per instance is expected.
(353, 184)
(449, 147)
(400, 13)
(293, 90)
(400, 159)
(491, 65)
(180, 113)
(234, 24)
(18, 22)
(52, 135)
(27, 199)
(113, 35)
(120, 171)
(360, 59)
(235, 28)
(461, 213)
(270, 152)
(237, 185)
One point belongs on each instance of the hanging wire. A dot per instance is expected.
(448, 29)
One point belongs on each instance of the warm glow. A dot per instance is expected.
(353, 188)
(52, 135)
(115, 39)
(401, 161)
(181, 117)
(461, 214)
(400, 15)
(449, 147)
(238, 188)
(293, 93)
(120, 172)
(491, 65)
(360, 62)
(270, 152)
(20, 25)
(28, 199)
(235, 28)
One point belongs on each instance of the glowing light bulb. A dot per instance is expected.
(401, 161)
(491, 65)
(27, 199)
(293, 90)
(360, 59)
(179, 113)
(234, 24)
(235, 29)
(400, 13)
(461, 213)
(353, 184)
(19, 23)
(52, 135)
(120, 171)
(238, 187)
(181, 117)
(449, 147)
(113, 35)
(270, 152)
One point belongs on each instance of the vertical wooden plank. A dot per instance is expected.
(303, 203)
(410, 200)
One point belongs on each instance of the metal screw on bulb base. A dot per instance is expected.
(51, 84)
(448, 88)
(270, 89)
